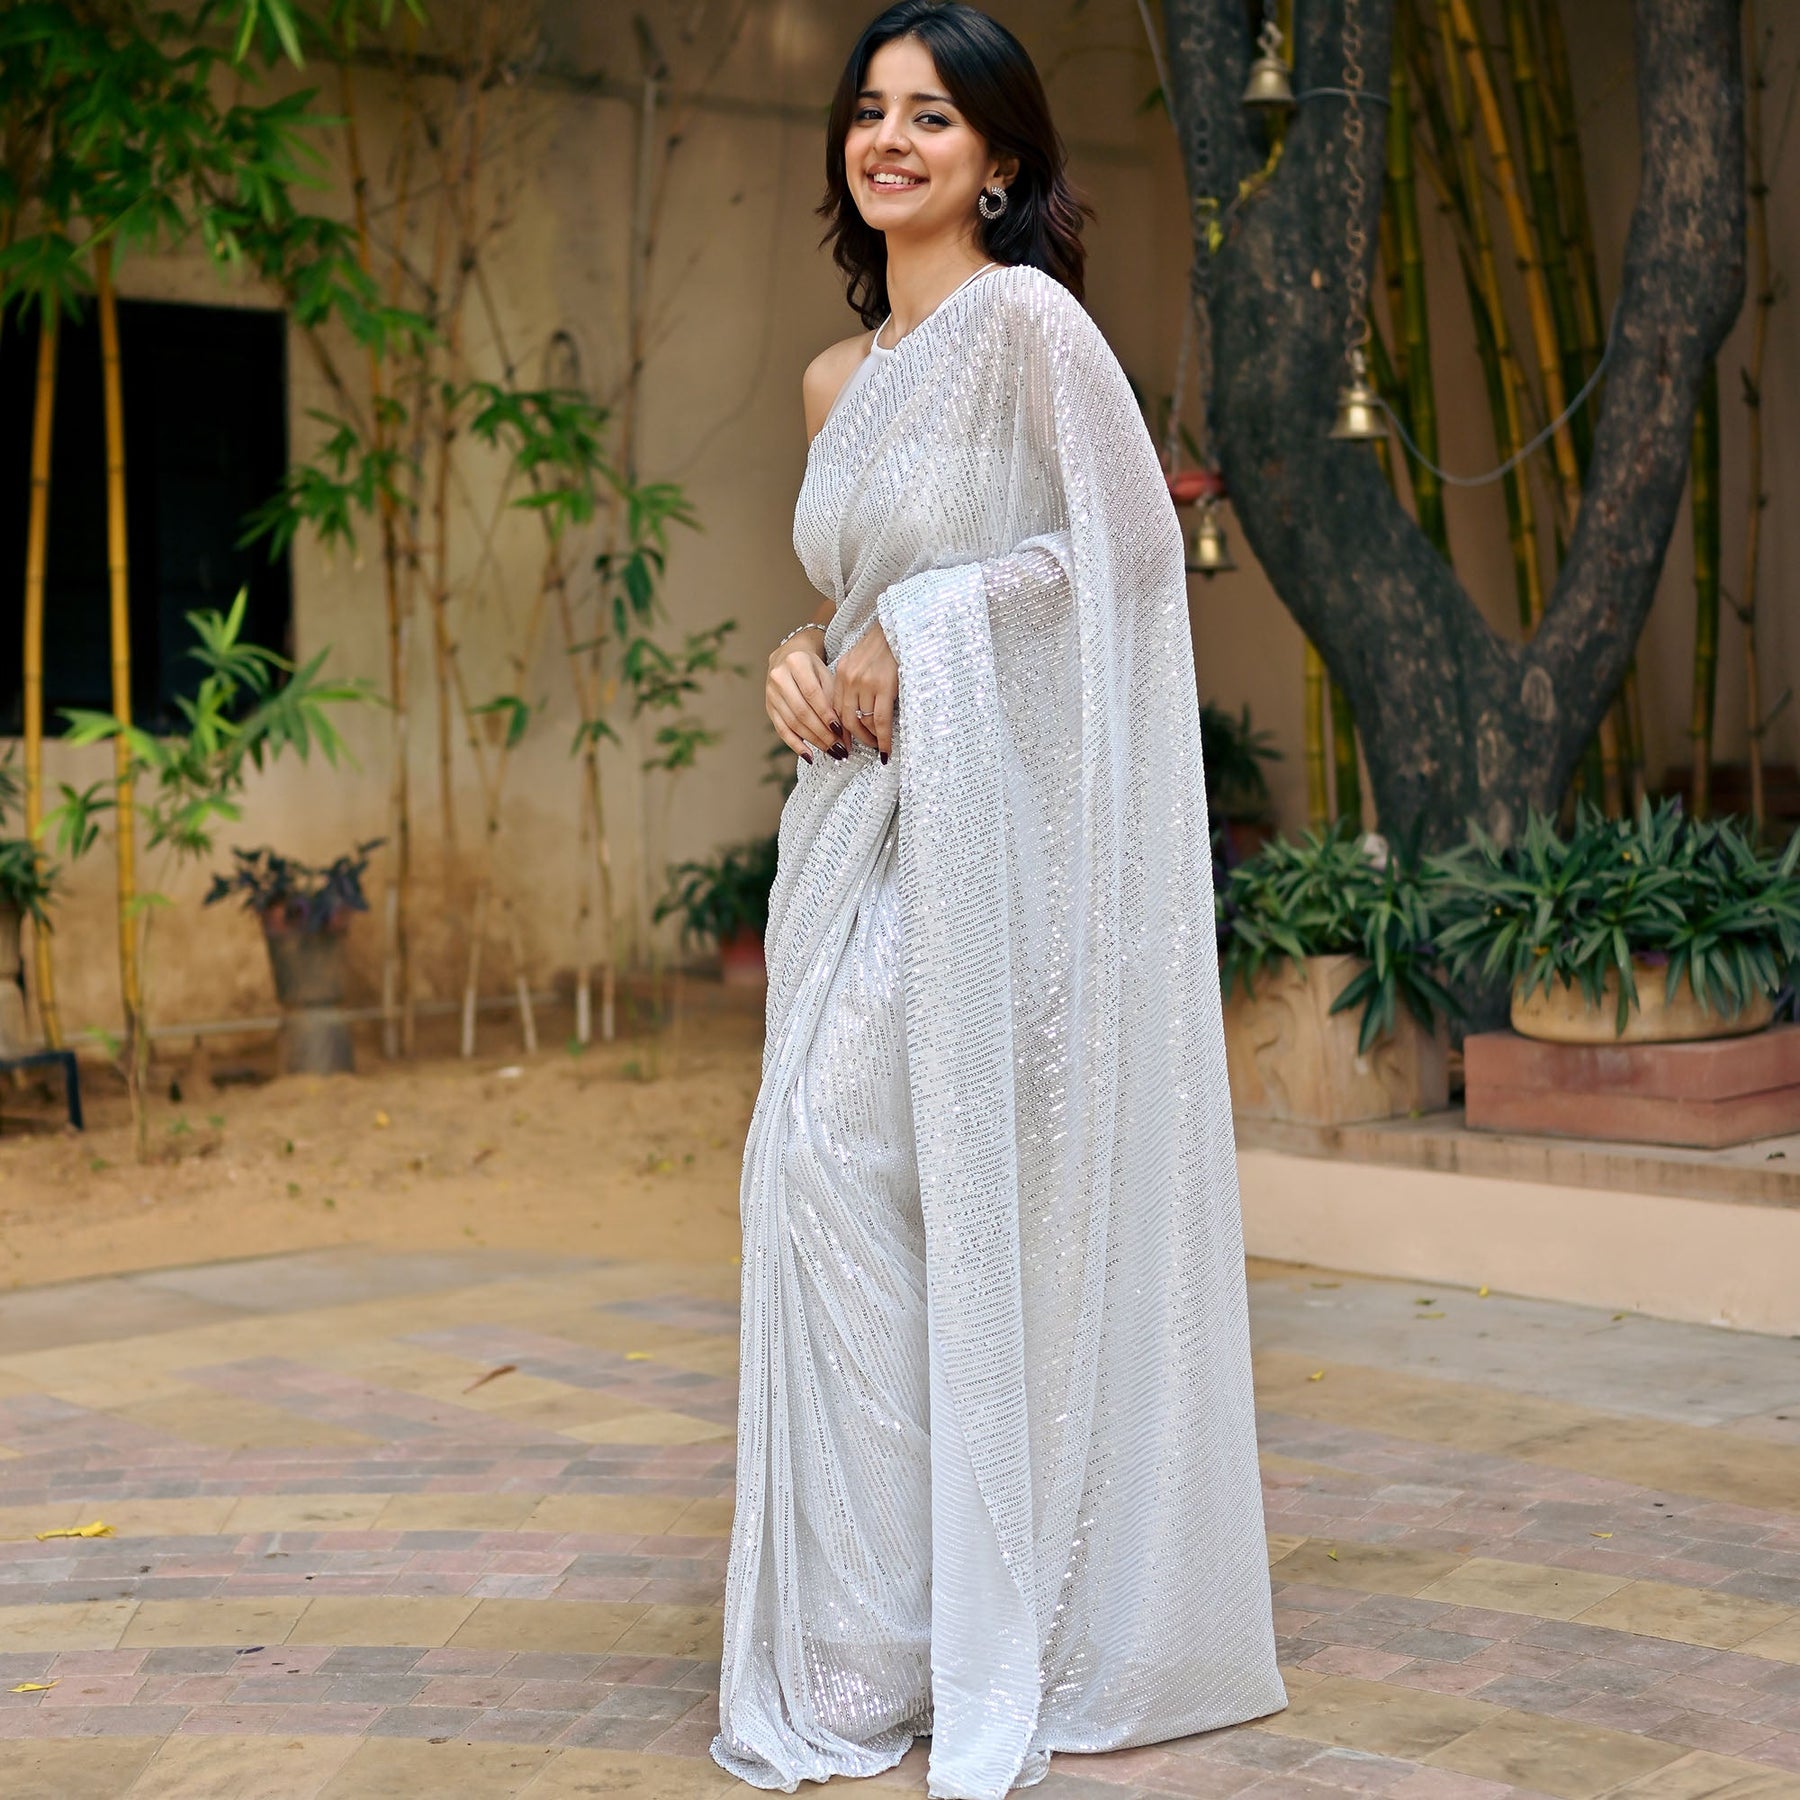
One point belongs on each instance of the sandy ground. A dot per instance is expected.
(629, 1149)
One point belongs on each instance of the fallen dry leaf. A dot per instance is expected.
(1599, 1534)
(1316, 1375)
(491, 1375)
(78, 1531)
(1332, 1554)
(382, 1121)
(1481, 1293)
(637, 1356)
(32, 1687)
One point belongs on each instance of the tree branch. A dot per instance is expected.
(1683, 284)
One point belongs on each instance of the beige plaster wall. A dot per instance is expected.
(741, 299)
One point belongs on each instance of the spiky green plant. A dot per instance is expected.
(1696, 894)
(1340, 893)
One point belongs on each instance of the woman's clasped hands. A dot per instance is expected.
(834, 706)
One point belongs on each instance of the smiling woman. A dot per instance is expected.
(996, 1473)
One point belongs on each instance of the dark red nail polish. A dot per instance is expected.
(807, 754)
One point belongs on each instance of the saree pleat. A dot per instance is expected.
(997, 1471)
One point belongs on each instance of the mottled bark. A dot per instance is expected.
(1458, 722)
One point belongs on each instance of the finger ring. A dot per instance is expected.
(863, 715)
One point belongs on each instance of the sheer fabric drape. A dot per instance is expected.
(997, 1469)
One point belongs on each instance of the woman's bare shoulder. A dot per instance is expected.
(825, 377)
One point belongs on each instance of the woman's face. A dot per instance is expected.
(914, 164)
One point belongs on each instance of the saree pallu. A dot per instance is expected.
(997, 1473)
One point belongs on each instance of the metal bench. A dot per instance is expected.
(65, 1059)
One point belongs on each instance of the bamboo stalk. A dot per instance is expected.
(1578, 230)
(397, 1021)
(1387, 244)
(1412, 326)
(118, 577)
(37, 543)
(1318, 796)
(1506, 380)
(1537, 301)
(585, 680)
(493, 786)
(1347, 783)
(1546, 218)
(459, 208)
(1755, 82)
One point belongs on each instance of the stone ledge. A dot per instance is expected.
(1760, 1174)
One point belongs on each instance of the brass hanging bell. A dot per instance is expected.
(1212, 554)
(1359, 412)
(1269, 88)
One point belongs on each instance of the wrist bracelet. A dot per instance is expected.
(810, 625)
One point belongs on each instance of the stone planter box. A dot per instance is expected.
(1703, 1095)
(1289, 1058)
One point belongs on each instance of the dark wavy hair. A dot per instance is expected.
(996, 87)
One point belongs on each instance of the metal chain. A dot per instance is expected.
(1356, 238)
(1268, 40)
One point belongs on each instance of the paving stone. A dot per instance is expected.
(542, 1593)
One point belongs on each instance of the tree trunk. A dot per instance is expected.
(1458, 723)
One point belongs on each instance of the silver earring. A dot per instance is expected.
(991, 202)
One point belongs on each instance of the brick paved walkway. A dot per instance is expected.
(455, 1526)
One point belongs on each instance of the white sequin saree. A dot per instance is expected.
(997, 1473)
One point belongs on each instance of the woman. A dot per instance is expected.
(997, 1472)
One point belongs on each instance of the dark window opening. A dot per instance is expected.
(205, 395)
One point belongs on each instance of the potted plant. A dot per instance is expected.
(25, 884)
(305, 914)
(726, 900)
(1237, 791)
(1653, 929)
(1313, 930)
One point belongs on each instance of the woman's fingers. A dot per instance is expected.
(814, 682)
(784, 730)
(803, 699)
(884, 722)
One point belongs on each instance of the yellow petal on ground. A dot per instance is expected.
(1481, 1293)
(1618, 1316)
(381, 1120)
(1599, 1534)
(32, 1687)
(1316, 1375)
(97, 1529)
(637, 1356)
(1332, 1554)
